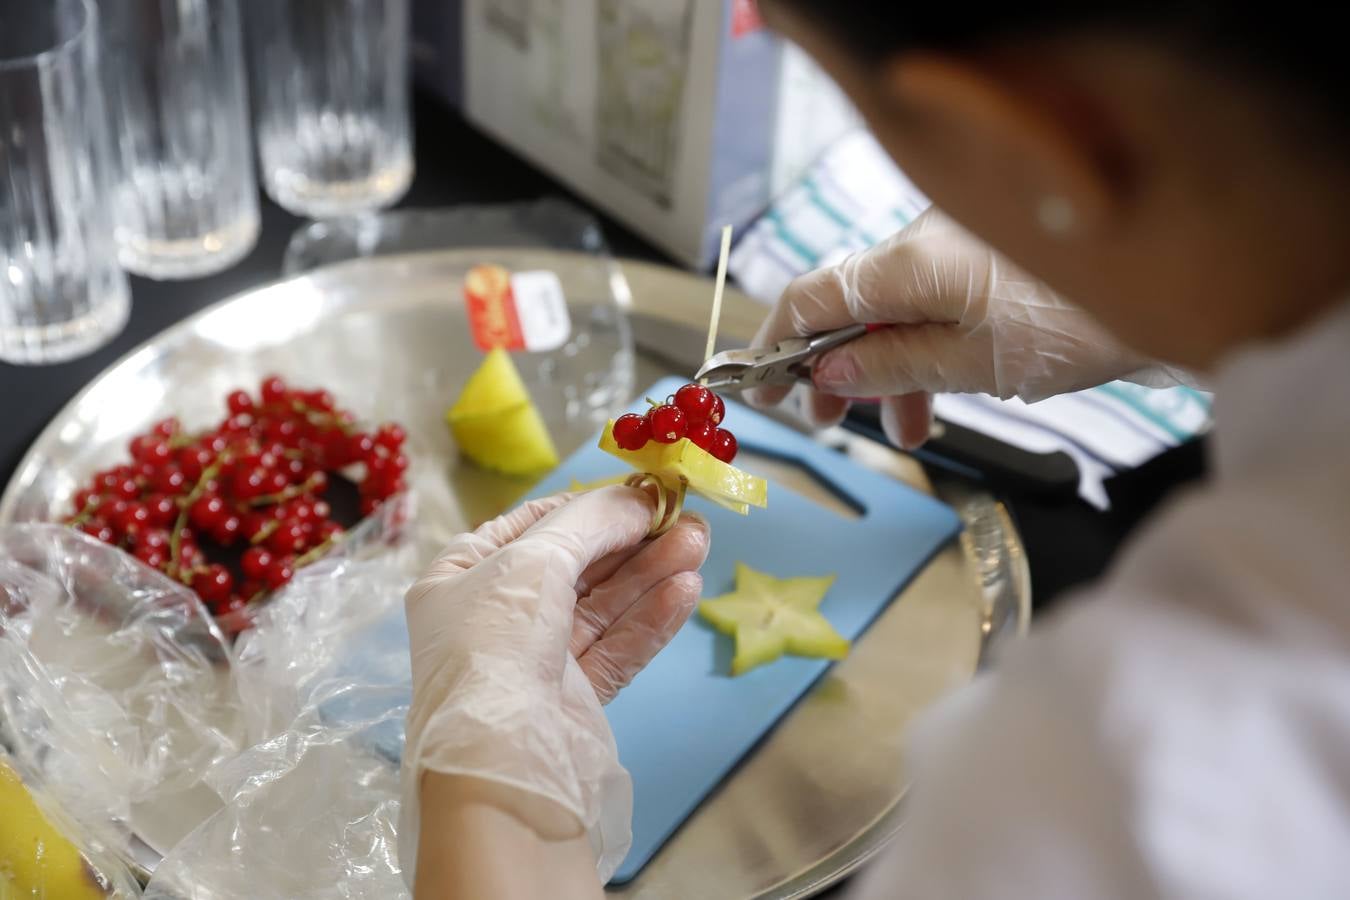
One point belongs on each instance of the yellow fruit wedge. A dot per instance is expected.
(35, 859)
(771, 616)
(704, 473)
(495, 423)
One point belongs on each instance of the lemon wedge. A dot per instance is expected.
(771, 616)
(497, 425)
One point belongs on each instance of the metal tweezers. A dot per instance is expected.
(787, 362)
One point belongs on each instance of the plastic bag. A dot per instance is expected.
(115, 693)
(311, 809)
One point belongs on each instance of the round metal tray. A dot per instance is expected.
(822, 793)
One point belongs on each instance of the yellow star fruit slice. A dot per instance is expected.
(36, 860)
(771, 616)
(704, 473)
(495, 423)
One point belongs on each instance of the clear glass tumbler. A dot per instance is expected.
(330, 82)
(186, 197)
(62, 293)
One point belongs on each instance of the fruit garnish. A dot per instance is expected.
(36, 860)
(497, 425)
(257, 478)
(771, 616)
(706, 475)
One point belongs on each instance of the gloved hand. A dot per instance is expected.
(965, 321)
(519, 632)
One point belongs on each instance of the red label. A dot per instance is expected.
(492, 309)
(744, 18)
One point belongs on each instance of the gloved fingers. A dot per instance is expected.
(907, 419)
(682, 549)
(823, 410)
(639, 633)
(587, 528)
(906, 359)
(467, 550)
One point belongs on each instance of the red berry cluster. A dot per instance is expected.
(693, 412)
(256, 480)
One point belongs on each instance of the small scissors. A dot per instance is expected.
(786, 362)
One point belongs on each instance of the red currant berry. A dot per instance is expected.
(280, 572)
(131, 518)
(127, 488)
(253, 524)
(255, 562)
(84, 499)
(162, 510)
(169, 479)
(359, 447)
(701, 434)
(321, 509)
(723, 445)
(289, 537)
(328, 531)
(239, 402)
(153, 538)
(695, 401)
(99, 530)
(214, 584)
(193, 460)
(320, 400)
(284, 430)
(719, 411)
(153, 557)
(316, 482)
(632, 432)
(668, 424)
(167, 427)
(277, 482)
(227, 530)
(146, 471)
(148, 448)
(273, 390)
(369, 505)
(249, 483)
(251, 588)
(207, 512)
(230, 606)
(391, 435)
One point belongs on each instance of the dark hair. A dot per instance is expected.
(1298, 44)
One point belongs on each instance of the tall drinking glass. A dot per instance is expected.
(186, 198)
(331, 81)
(62, 293)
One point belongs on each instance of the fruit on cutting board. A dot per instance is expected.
(36, 860)
(497, 425)
(771, 616)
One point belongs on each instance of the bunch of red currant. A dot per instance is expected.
(256, 480)
(693, 412)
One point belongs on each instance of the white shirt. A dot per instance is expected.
(1182, 729)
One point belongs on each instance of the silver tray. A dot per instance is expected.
(822, 793)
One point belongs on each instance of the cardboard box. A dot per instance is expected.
(675, 116)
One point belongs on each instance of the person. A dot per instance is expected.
(1178, 170)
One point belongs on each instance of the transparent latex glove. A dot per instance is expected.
(519, 631)
(965, 321)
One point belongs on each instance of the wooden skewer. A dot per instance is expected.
(717, 291)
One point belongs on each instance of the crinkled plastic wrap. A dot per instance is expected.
(115, 695)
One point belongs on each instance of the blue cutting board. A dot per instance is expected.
(684, 722)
